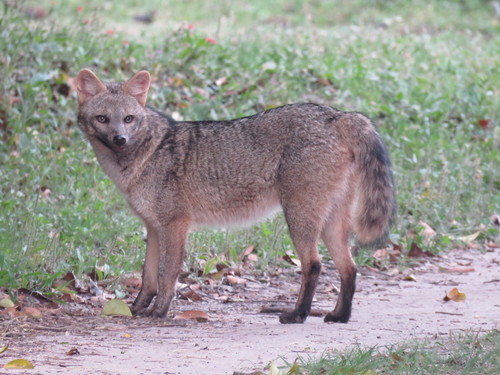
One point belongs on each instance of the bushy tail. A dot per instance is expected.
(375, 197)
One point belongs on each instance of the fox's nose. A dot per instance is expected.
(119, 140)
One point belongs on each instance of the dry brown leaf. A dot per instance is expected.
(417, 252)
(133, 283)
(235, 280)
(427, 232)
(248, 250)
(253, 257)
(386, 254)
(495, 219)
(332, 288)
(198, 315)
(293, 261)
(191, 295)
(457, 269)
(33, 312)
(221, 81)
(454, 295)
(70, 278)
(73, 351)
(46, 191)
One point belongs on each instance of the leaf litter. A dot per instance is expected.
(242, 296)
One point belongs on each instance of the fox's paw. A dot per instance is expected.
(292, 317)
(336, 317)
(159, 310)
(138, 310)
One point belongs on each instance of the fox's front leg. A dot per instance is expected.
(149, 273)
(172, 241)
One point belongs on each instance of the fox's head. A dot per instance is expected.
(111, 113)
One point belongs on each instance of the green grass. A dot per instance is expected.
(458, 354)
(427, 72)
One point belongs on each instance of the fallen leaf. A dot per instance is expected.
(295, 369)
(293, 261)
(45, 191)
(6, 303)
(332, 288)
(383, 254)
(269, 65)
(235, 280)
(410, 277)
(19, 364)
(133, 283)
(397, 357)
(495, 219)
(70, 278)
(73, 351)
(11, 311)
(457, 269)
(127, 335)
(492, 245)
(33, 312)
(146, 18)
(31, 297)
(199, 316)
(191, 295)
(273, 370)
(215, 275)
(427, 232)
(253, 257)
(467, 239)
(4, 348)
(221, 81)
(417, 252)
(454, 295)
(248, 250)
(483, 123)
(116, 307)
(324, 81)
(35, 12)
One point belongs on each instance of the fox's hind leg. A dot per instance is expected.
(335, 235)
(304, 227)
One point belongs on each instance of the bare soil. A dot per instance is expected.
(389, 307)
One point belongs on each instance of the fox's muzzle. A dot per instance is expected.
(119, 140)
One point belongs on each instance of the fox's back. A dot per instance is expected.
(230, 171)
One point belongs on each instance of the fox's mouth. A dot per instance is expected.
(116, 144)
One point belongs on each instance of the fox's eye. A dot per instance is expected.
(102, 119)
(128, 119)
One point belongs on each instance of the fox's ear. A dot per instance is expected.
(88, 85)
(138, 86)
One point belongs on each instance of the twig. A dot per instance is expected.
(278, 310)
(447, 313)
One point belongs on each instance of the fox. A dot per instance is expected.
(327, 170)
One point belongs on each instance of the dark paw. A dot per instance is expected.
(337, 318)
(292, 317)
(139, 310)
(157, 313)
(141, 304)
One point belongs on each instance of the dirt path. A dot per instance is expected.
(387, 310)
